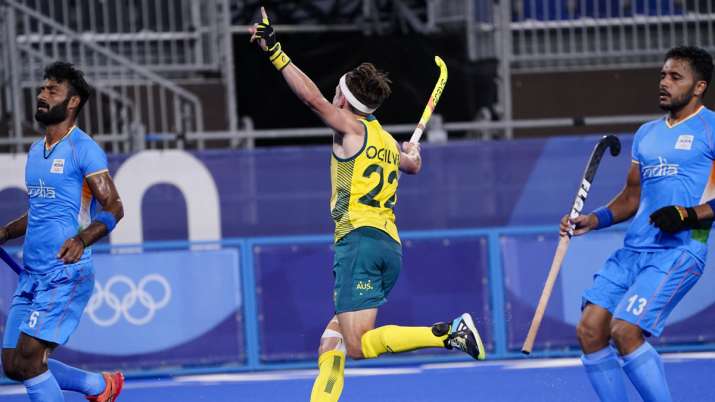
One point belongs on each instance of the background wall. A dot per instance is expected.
(234, 269)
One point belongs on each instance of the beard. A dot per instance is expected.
(54, 115)
(678, 103)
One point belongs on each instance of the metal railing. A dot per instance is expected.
(120, 109)
(133, 49)
(474, 18)
(568, 35)
(162, 35)
(581, 35)
(435, 131)
(131, 99)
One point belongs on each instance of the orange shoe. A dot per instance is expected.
(115, 382)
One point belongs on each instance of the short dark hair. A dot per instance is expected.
(62, 71)
(700, 61)
(369, 85)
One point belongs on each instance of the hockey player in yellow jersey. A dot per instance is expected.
(368, 254)
(364, 184)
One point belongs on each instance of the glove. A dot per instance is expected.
(265, 33)
(674, 218)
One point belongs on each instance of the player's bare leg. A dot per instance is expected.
(354, 325)
(626, 336)
(27, 362)
(30, 359)
(599, 358)
(593, 331)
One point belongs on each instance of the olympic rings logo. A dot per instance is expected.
(123, 308)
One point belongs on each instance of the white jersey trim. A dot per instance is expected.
(667, 123)
(96, 173)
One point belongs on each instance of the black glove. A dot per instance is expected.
(264, 32)
(674, 218)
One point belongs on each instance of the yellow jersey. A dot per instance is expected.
(364, 187)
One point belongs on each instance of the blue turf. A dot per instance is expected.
(690, 380)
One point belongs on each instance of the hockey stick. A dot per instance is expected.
(10, 261)
(607, 141)
(431, 103)
(433, 99)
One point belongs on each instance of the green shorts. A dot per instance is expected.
(366, 266)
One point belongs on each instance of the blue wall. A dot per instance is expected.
(255, 290)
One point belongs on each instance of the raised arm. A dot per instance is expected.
(14, 229)
(103, 189)
(306, 90)
(302, 86)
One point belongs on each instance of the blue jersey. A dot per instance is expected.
(60, 202)
(676, 168)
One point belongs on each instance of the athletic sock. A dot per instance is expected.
(44, 388)
(73, 379)
(604, 371)
(394, 339)
(331, 377)
(644, 368)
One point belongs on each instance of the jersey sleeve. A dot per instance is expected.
(92, 158)
(634, 149)
(635, 154)
(709, 126)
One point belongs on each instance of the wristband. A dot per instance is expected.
(604, 216)
(107, 219)
(691, 217)
(712, 204)
(278, 57)
(78, 237)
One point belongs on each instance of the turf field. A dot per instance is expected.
(535, 380)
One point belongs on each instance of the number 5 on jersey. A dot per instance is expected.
(33, 319)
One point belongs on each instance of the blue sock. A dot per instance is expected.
(645, 370)
(44, 388)
(604, 371)
(74, 379)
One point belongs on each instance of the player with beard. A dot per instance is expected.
(669, 194)
(67, 182)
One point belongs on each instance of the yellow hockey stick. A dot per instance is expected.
(433, 99)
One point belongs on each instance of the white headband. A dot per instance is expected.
(352, 100)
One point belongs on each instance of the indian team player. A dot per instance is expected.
(66, 175)
(668, 193)
(368, 254)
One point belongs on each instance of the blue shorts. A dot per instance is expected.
(48, 306)
(643, 287)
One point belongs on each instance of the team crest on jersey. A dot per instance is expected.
(58, 166)
(685, 142)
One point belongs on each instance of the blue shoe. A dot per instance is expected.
(462, 334)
